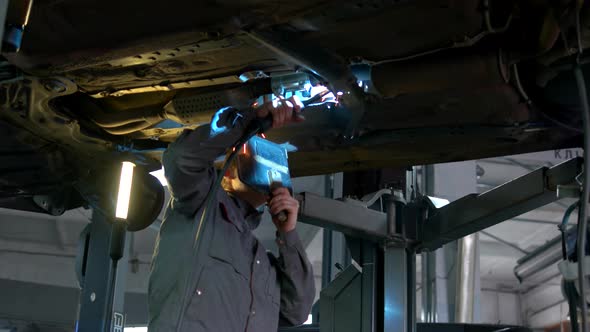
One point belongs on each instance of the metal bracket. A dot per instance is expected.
(350, 219)
(354, 218)
(569, 270)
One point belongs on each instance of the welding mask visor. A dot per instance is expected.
(263, 165)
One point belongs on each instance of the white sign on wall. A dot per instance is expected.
(553, 157)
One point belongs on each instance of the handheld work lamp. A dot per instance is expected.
(122, 211)
(125, 183)
(119, 229)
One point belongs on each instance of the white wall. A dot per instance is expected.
(537, 308)
(497, 307)
(545, 305)
(500, 308)
(550, 316)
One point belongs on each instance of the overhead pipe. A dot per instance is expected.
(541, 258)
(429, 310)
(128, 128)
(439, 73)
(122, 118)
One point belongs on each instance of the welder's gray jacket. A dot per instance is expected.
(236, 286)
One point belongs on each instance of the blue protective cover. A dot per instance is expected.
(262, 165)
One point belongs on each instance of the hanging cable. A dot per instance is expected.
(583, 219)
(583, 215)
(572, 297)
(569, 287)
(563, 245)
(563, 228)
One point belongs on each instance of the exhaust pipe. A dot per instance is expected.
(436, 73)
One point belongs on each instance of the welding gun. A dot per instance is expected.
(259, 126)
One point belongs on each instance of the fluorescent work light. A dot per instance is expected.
(124, 190)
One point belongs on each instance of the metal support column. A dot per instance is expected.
(368, 263)
(95, 313)
(399, 269)
(428, 313)
(326, 257)
(334, 248)
(467, 257)
(399, 283)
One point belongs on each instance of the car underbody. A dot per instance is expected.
(423, 81)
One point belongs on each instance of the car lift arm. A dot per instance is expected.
(476, 212)
(462, 217)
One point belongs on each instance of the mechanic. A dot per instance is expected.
(237, 285)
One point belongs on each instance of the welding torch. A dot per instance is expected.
(259, 126)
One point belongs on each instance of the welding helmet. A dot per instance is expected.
(263, 165)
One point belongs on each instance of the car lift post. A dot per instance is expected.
(102, 277)
(377, 291)
(100, 282)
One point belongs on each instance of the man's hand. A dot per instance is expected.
(283, 201)
(283, 111)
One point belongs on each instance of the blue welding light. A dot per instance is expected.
(289, 147)
(215, 129)
(14, 36)
(362, 72)
(168, 124)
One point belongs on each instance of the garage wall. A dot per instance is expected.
(497, 307)
(46, 305)
(545, 305)
(500, 308)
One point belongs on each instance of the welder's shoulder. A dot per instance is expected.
(170, 154)
(183, 140)
(176, 225)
